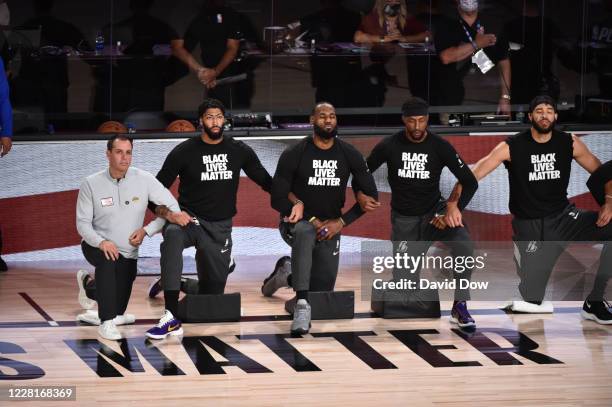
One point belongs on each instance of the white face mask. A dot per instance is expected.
(5, 14)
(468, 5)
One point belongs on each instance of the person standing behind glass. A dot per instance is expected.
(532, 64)
(389, 22)
(217, 30)
(456, 41)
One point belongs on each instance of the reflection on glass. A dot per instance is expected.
(140, 44)
(162, 58)
(532, 38)
(217, 29)
(43, 76)
(458, 40)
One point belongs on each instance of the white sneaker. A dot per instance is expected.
(86, 303)
(526, 307)
(108, 330)
(125, 319)
(91, 317)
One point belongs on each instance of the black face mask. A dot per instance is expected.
(324, 134)
(392, 10)
(211, 134)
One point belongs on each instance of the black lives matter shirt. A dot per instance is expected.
(319, 178)
(414, 171)
(209, 175)
(538, 174)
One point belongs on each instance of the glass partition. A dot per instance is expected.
(74, 65)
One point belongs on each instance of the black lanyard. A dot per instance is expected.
(467, 32)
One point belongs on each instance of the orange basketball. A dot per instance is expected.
(180, 126)
(112, 126)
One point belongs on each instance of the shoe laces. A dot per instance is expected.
(301, 308)
(167, 317)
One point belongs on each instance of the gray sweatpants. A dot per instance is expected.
(314, 264)
(414, 235)
(213, 242)
(540, 242)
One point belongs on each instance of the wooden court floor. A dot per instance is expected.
(510, 360)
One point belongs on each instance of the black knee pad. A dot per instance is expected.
(328, 304)
(406, 304)
(209, 308)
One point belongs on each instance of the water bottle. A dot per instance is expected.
(99, 43)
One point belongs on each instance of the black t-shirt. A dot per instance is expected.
(209, 175)
(211, 29)
(319, 178)
(539, 174)
(597, 182)
(450, 32)
(414, 171)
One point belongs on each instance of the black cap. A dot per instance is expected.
(415, 107)
(542, 99)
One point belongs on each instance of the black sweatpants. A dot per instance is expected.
(414, 235)
(540, 242)
(213, 242)
(314, 264)
(114, 280)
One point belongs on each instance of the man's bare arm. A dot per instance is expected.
(584, 156)
(483, 167)
(179, 51)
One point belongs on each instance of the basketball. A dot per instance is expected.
(180, 126)
(112, 126)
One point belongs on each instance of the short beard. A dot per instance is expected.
(324, 134)
(542, 130)
(213, 136)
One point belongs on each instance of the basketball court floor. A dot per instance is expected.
(509, 360)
